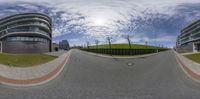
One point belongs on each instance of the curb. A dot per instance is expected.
(36, 81)
(194, 76)
(109, 56)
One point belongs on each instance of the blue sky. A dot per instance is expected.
(155, 21)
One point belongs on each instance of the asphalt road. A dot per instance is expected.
(91, 77)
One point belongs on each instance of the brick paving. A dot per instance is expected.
(190, 67)
(32, 75)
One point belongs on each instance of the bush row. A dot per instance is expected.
(123, 51)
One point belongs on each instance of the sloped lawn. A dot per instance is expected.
(194, 57)
(24, 60)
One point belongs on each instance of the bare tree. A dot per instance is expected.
(96, 42)
(129, 41)
(146, 43)
(87, 43)
(109, 41)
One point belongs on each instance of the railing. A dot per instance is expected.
(25, 19)
(38, 24)
(21, 16)
(13, 33)
(28, 30)
(191, 32)
(191, 26)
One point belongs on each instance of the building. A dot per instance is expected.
(55, 47)
(64, 45)
(189, 39)
(26, 33)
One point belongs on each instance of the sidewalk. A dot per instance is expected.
(30, 76)
(191, 68)
(189, 53)
(56, 53)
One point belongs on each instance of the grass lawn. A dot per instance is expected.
(194, 57)
(133, 46)
(24, 60)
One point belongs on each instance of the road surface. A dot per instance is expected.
(91, 77)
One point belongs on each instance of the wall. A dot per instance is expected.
(186, 48)
(25, 47)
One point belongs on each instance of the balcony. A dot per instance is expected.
(17, 17)
(26, 19)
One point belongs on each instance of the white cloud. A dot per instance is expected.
(109, 10)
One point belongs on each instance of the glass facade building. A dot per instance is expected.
(64, 44)
(189, 39)
(26, 33)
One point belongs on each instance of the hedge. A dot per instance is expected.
(123, 51)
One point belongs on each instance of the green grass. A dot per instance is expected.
(133, 46)
(24, 60)
(194, 57)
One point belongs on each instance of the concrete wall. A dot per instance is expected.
(25, 47)
(186, 48)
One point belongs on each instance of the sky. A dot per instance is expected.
(157, 22)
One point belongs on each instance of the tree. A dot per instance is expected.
(146, 43)
(109, 41)
(129, 41)
(96, 42)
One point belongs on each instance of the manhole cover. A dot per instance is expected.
(130, 64)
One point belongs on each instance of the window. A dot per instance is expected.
(18, 38)
(32, 39)
(22, 38)
(26, 39)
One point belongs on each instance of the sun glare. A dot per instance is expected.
(99, 21)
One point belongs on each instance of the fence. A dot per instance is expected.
(123, 51)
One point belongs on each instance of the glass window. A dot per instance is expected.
(22, 38)
(34, 39)
(18, 38)
(26, 39)
(40, 39)
(31, 38)
(9, 39)
(13, 38)
(43, 40)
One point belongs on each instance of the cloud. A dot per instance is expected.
(73, 19)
